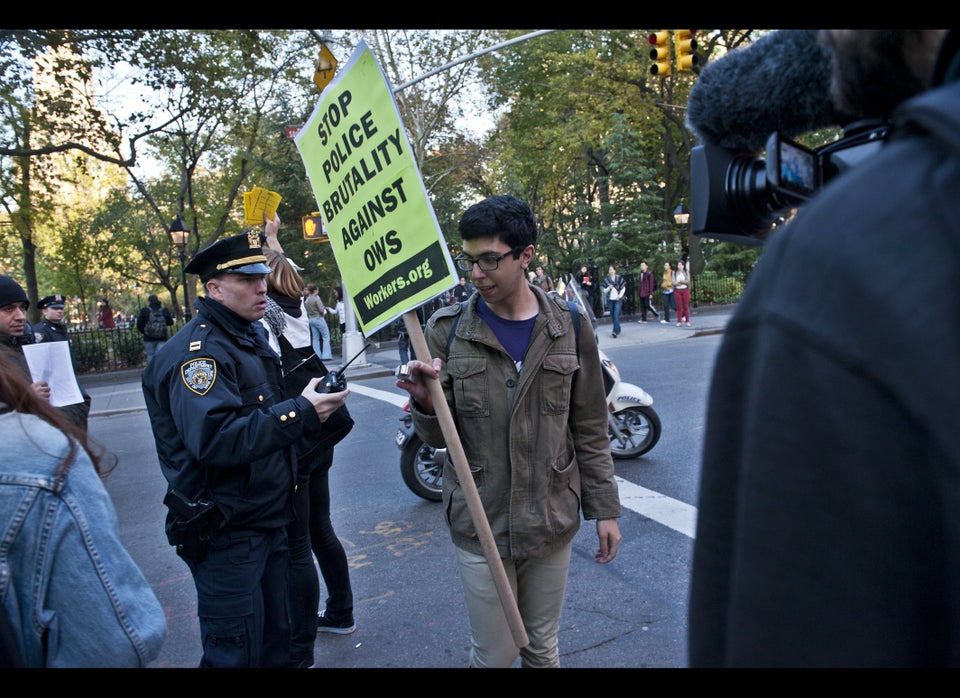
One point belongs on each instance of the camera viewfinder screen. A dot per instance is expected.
(797, 169)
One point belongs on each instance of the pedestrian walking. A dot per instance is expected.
(666, 285)
(152, 322)
(647, 286)
(681, 292)
(614, 287)
(317, 317)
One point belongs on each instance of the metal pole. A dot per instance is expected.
(183, 278)
(477, 54)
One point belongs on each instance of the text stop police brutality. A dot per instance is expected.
(379, 220)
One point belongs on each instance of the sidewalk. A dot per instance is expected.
(118, 392)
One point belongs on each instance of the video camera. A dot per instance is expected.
(738, 197)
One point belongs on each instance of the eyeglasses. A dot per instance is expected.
(487, 262)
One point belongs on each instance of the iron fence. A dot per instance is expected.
(103, 351)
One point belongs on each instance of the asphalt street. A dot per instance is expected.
(409, 607)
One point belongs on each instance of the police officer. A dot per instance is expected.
(225, 436)
(52, 329)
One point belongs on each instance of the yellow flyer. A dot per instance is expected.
(259, 201)
(382, 227)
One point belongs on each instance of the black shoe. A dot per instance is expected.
(341, 627)
(613, 334)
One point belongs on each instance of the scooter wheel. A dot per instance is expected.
(422, 468)
(639, 429)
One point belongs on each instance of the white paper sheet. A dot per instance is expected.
(51, 362)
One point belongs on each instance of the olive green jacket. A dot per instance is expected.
(539, 454)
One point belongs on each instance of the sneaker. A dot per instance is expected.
(326, 625)
(663, 322)
(613, 334)
(679, 324)
(689, 325)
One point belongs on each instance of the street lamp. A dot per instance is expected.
(179, 234)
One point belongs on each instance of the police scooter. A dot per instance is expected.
(421, 466)
(632, 423)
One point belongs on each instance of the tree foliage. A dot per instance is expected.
(89, 183)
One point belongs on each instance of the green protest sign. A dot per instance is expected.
(382, 227)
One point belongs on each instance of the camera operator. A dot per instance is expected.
(828, 529)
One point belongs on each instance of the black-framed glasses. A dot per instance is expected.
(487, 262)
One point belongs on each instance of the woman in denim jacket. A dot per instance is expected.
(72, 593)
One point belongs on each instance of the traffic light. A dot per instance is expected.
(686, 47)
(660, 53)
(313, 228)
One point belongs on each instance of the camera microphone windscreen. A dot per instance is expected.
(781, 82)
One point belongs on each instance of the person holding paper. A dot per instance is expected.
(52, 329)
(525, 389)
(13, 329)
(13, 334)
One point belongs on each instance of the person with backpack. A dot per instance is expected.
(526, 392)
(828, 519)
(153, 322)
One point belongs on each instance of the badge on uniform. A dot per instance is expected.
(199, 375)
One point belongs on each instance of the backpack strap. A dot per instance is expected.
(453, 326)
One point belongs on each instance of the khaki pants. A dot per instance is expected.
(538, 585)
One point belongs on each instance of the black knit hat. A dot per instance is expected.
(11, 292)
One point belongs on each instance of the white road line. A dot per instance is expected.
(671, 513)
(396, 399)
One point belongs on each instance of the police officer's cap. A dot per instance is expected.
(238, 254)
(54, 301)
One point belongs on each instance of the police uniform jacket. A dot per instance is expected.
(47, 331)
(223, 428)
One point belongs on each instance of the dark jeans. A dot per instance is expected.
(403, 346)
(311, 533)
(667, 302)
(646, 305)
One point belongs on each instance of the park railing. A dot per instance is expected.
(103, 351)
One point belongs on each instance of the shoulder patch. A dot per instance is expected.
(199, 375)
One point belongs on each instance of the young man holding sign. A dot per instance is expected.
(527, 394)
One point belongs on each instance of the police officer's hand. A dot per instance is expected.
(324, 403)
(415, 382)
